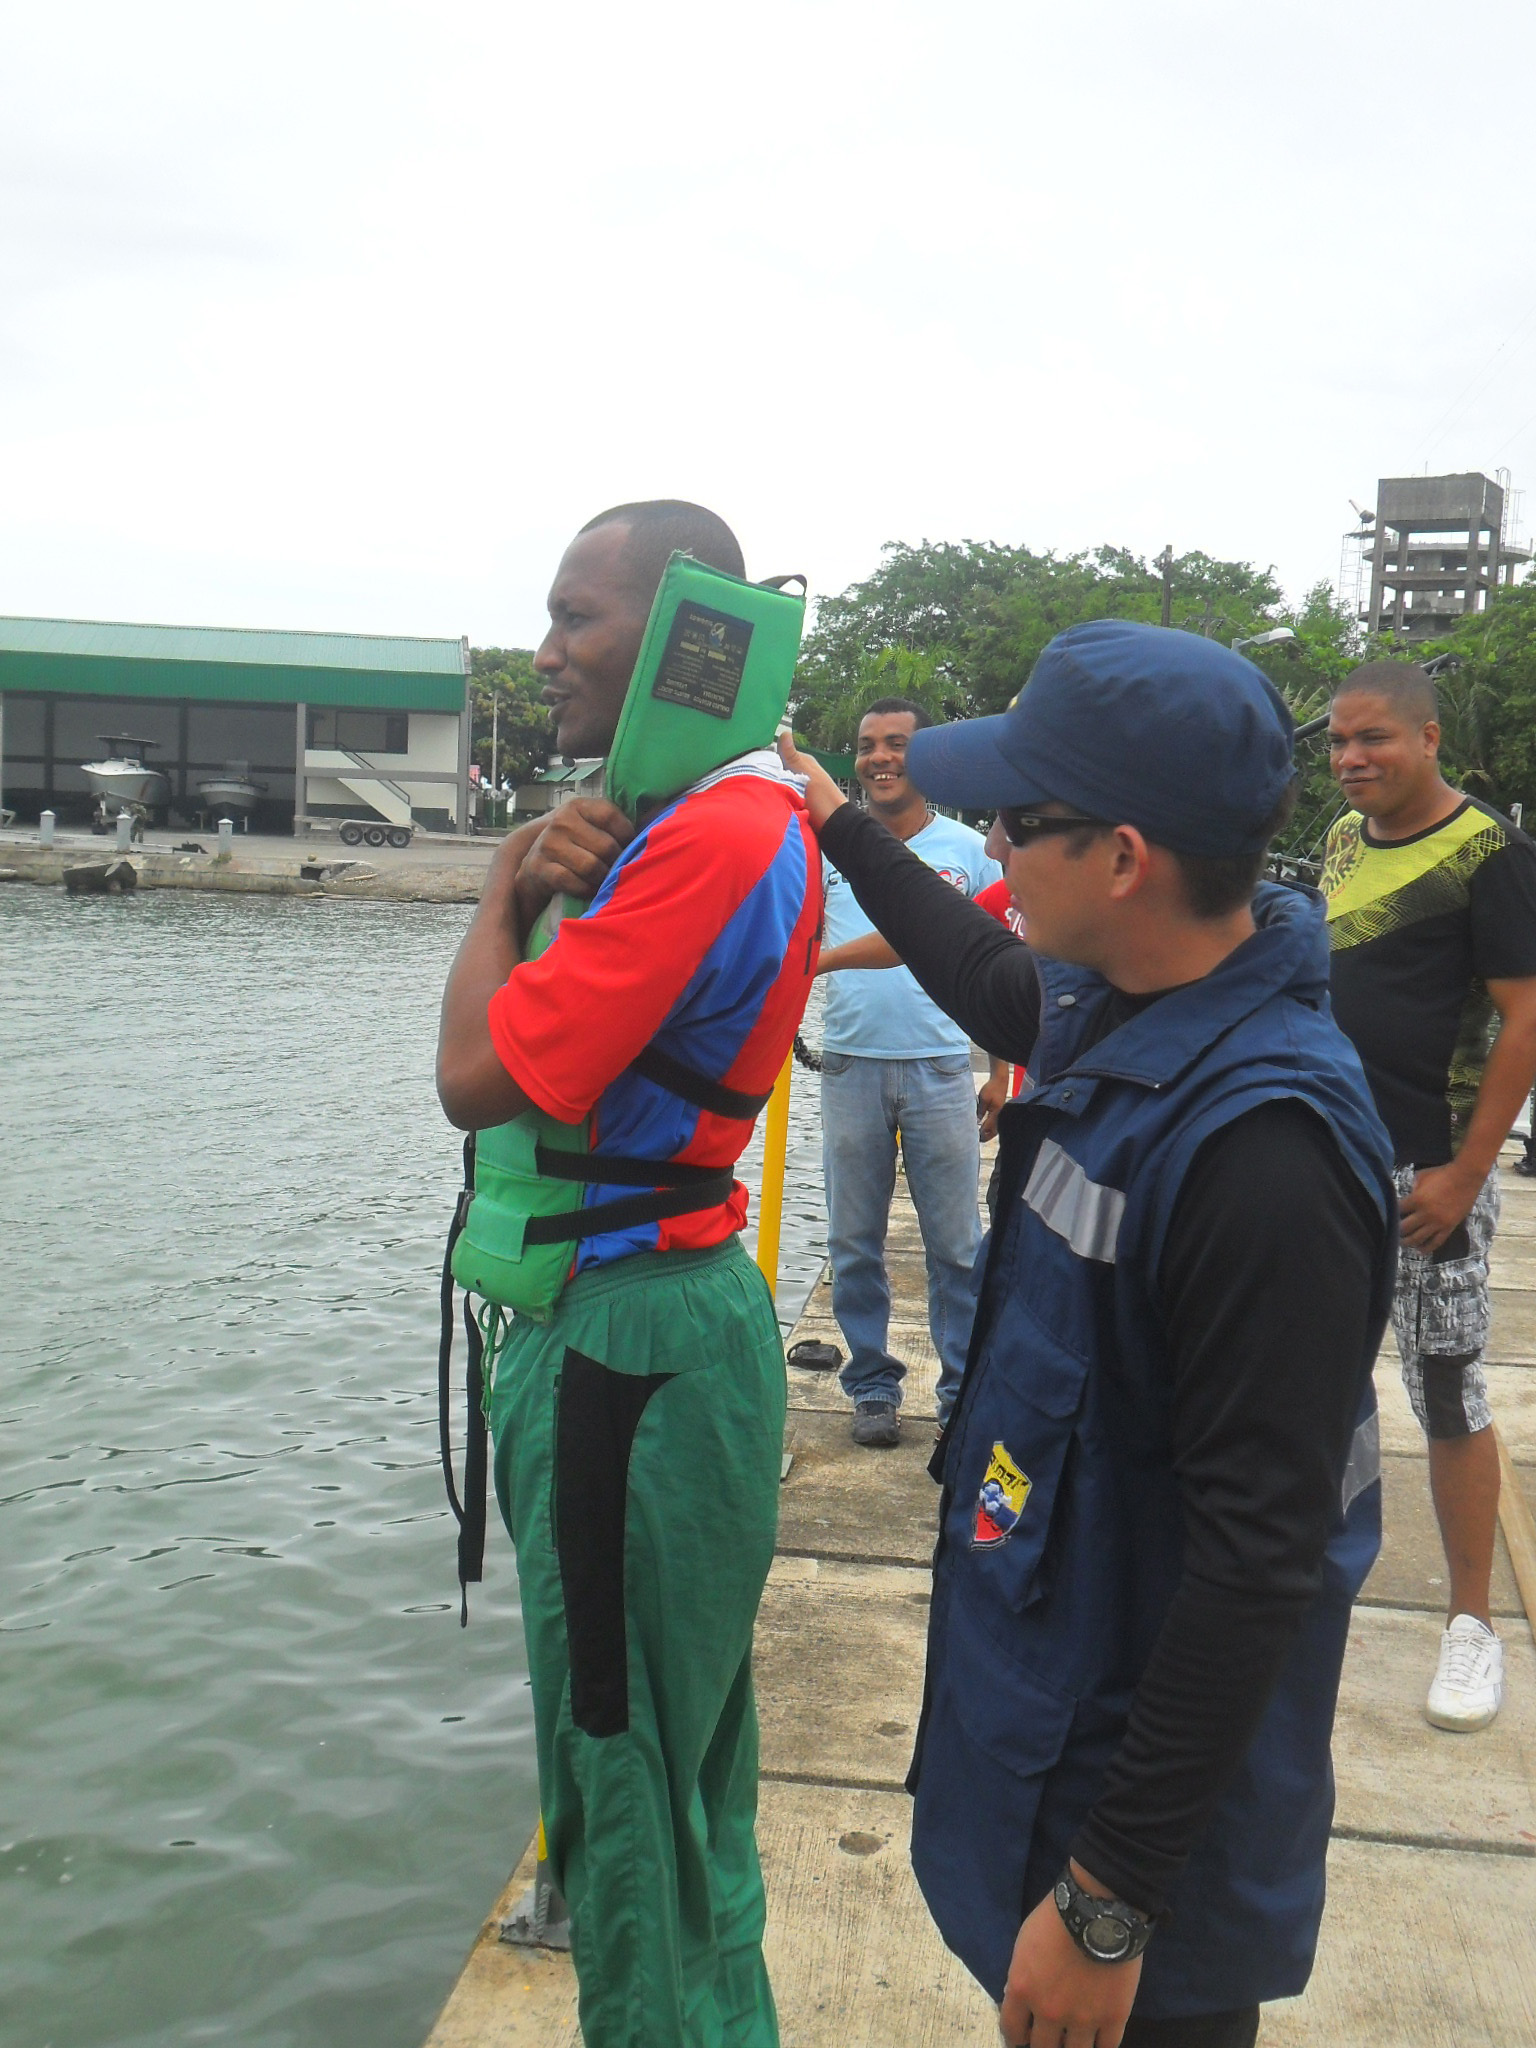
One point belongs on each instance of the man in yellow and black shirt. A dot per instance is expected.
(1432, 925)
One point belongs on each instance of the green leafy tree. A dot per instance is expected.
(1486, 685)
(503, 678)
(1307, 672)
(904, 631)
(1488, 700)
(1487, 693)
(959, 625)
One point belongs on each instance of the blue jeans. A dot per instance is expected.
(933, 1103)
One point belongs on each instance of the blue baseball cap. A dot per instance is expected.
(1139, 725)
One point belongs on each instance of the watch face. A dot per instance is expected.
(1107, 1936)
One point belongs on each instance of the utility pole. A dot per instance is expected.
(1165, 563)
(495, 734)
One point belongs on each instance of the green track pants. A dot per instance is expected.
(638, 1439)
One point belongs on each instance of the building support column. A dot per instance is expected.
(466, 726)
(300, 781)
(1404, 557)
(1477, 514)
(1378, 575)
(183, 764)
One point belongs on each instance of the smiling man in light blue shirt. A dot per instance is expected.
(893, 1061)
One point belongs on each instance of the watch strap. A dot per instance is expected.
(1106, 1930)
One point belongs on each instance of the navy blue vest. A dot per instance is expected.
(1061, 1541)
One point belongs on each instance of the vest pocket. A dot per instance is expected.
(991, 1741)
(1019, 1422)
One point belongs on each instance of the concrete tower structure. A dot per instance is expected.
(1440, 548)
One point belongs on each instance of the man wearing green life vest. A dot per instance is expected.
(637, 1406)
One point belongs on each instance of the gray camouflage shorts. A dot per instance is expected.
(1440, 1313)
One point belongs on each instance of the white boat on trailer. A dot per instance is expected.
(125, 781)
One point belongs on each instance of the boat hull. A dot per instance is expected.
(128, 782)
(228, 797)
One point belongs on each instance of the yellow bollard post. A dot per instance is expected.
(770, 1208)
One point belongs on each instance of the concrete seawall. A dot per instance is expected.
(430, 871)
(1433, 1864)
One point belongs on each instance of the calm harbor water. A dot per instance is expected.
(257, 1786)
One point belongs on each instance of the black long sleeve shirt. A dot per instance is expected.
(1266, 1284)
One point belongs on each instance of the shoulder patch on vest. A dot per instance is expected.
(999, 1504)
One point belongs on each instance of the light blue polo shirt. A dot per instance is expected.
(880, 1013)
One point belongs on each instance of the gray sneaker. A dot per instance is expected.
(877, 1425)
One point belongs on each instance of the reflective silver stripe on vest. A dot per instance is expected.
(1364, 1467)
(1075, 1207)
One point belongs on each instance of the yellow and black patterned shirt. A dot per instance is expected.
(1418, 928)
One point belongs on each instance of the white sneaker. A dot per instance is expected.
(1468, 1687)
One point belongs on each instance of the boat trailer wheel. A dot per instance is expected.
(351, 834)
(376, 835)
(399, 835)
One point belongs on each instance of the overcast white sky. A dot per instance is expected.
(346, 316)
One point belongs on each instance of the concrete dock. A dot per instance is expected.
(435, 868)
(1433, 1865)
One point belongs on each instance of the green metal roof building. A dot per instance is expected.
(330, 724)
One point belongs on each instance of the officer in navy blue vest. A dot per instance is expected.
(1161, 1484)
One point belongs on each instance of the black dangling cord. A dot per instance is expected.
(470, 1512)
(445, 1359)
(476, 1433)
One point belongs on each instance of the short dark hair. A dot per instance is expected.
(661, 527)
(1215, 888)
(1407, 687)
(910, 705)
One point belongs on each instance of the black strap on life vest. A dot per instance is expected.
(672, 1189)
(610, 1169)
(666, 1072)
(629, 1210)
(668, 1188)
(469, 1512)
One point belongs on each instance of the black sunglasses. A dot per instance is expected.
(1023, 827)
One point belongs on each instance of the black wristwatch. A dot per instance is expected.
(1106, 1930)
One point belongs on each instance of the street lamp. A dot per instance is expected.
(1272, 638)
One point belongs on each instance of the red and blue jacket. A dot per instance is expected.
(702, 942)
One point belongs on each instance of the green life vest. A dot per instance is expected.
(711, 683)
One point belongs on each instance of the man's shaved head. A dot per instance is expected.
(659, 527)
(1406, 687)
(598, 605)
